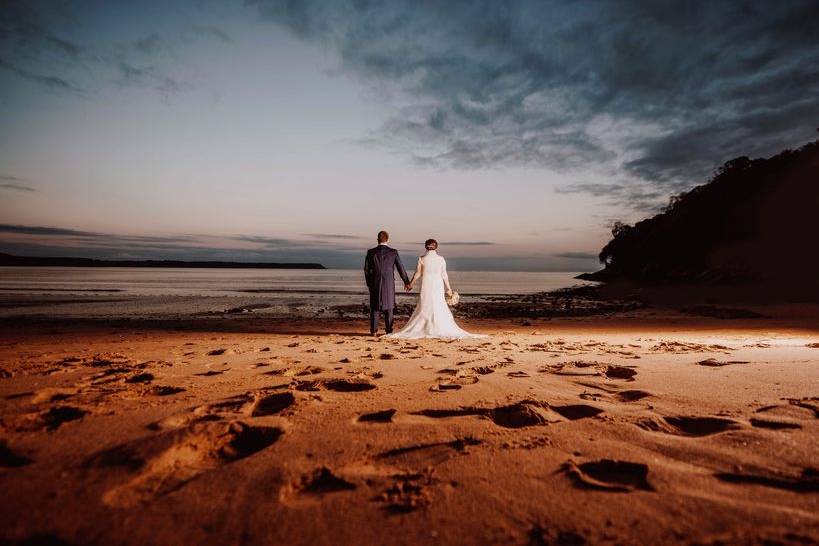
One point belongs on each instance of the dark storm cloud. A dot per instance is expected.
(661, 91)
(34, 47)
(31, 51)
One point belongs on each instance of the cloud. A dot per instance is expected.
(214, 32)
(595, 190)
(468, 243)
(636, 196)
(147, 77)
(332, 236)
(269, 242)
(53, 82)
(576, 255)
(62, 241)
(41, 230)
(659, 92)
(15, 184)
(460, 243)
(65, 241)
(16, 187)
(33, 47)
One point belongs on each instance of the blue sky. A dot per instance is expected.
(513, 132)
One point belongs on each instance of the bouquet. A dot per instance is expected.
(453, 298)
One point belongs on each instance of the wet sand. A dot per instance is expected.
(639, 427)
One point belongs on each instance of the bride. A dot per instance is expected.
(432, 317)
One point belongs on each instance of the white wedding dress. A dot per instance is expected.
(432, 317)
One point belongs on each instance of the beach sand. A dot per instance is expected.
(640, 427)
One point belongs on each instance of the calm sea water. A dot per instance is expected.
(264, 282)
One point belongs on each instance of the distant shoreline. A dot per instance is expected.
(7, 260)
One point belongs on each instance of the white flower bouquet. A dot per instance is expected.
(453, 298)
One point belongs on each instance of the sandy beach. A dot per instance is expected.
(644, 426)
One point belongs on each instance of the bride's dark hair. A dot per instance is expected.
(431, 244)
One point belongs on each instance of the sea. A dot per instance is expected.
(247, 282)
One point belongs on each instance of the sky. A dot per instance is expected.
(514, 132)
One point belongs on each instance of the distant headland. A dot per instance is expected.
(754, 222)
(33, 261)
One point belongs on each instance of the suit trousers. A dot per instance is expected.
(374, 315)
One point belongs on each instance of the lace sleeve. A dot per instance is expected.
(445, 277)
(418, 268)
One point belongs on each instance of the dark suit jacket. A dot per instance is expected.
(378, 271)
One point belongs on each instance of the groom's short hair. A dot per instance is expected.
(383, 237)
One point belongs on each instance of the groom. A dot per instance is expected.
(378, 271)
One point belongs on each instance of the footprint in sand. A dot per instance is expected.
(613, 392)
(271, 404)
(49, 419)
(774, 424)
(249, 404)
(526, 413)
(53, 394)
(165, 462)
(631, 395)
(454, 382)
(429, 454)
(210, 373)
(572, 412)
(339, 385)
(678, 347)
(407, 493)
(806, 482)
(296, 371)
(322, 481)
(785, 416)
(489, 368)
(541, 535)
(384, 416)
(165, 390)
(144, 377)
(713, 363)
(619, 372)
(806, 403)
(53, 417)
(609, 475)
(579, 368)
(689, 425)
(10, 458)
